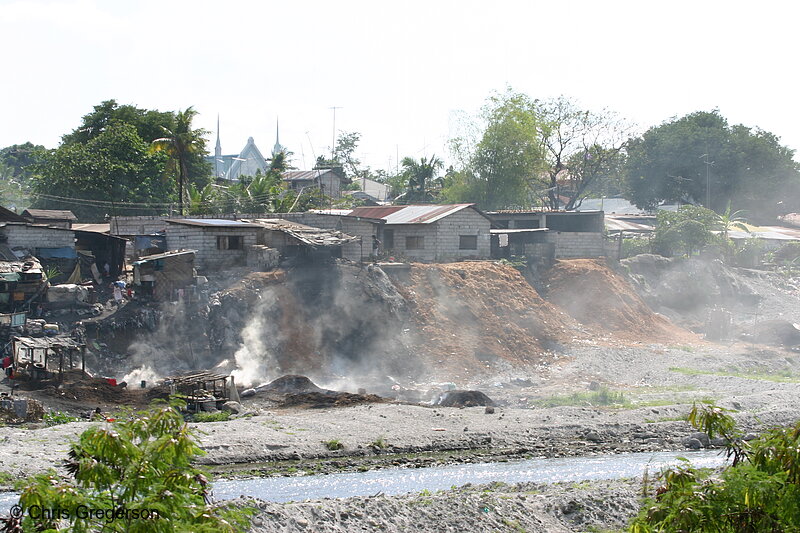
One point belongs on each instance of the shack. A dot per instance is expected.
(292, 239)
(162, 276)
(573, 234)
(202, 391)
(57, 218)
(21, 284)
(46, 357)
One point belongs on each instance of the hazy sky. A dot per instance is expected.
(399, 71)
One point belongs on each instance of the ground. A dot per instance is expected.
(598, 379)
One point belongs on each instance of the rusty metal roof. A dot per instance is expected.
(212, 222)
(410, 214)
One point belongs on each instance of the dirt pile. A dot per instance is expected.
(597, 296)
(320, 400)
(473, 315)
(291, 384)
(464, 398)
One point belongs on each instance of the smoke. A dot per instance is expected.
(256, 359)
(144, 373)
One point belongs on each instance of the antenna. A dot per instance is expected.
(333, 142)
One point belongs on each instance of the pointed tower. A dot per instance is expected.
(218, 154)
(277, 148)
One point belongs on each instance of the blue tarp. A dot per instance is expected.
(56, 253)
(145, 242)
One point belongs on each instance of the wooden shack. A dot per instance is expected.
(46, 357)
(162, 276)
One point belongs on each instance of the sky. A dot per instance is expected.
(402, 74)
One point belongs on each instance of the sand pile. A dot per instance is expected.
(474, 314)
(597, 296)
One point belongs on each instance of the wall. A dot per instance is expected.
(574, 244)
(353, 226)
(204, 240)
(34, 237)
(463, 222)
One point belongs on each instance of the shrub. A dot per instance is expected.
(140, 469)
(54, 418)
(333, 444)
(217, 416)
(760, 491)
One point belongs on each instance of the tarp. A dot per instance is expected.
(66, 252)
(9, 276)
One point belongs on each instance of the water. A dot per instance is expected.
(404, 480)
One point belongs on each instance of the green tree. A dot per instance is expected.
(686, 231)
(112, 173)
(181, 142)
(422, 184)
(700, 156)
(506, 163)
(134, 468)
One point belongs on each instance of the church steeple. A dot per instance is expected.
(277, 148)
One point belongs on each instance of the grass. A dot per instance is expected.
(782, 376)
(219, 416)
(683, 348)
(380, 443)
(601, 397)
(54, 418)
(333, 444)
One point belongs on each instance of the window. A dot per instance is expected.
(388, 239)
(415, 242)
(230, 242)
(467, 242)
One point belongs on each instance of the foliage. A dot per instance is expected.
(635, 246)
(114, 165)
(54, 418)
(333, 444)
(503, 167)
(582, 147)
(380, 443)
(180, 141)
(218, 416)
(748, 167)
(520, 262)
(760, 491)
(422, 184)
(685, 231)
(17, 163)
(133, 467)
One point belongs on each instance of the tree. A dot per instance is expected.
(581, 146)
(687, 230)
(421, 183)
(701, 159)
(112, 173)
(138, 472)
(506, 164)
(180, 142)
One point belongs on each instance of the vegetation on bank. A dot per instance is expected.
(134, 475)
(759, 492)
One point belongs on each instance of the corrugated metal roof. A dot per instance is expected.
(505, 231)
(774, 233)
(212, 222)
(631, 223)
(300, 175)
(164, 255)
(51, 214)
(409, 214)
(306, 234)
(95, 228)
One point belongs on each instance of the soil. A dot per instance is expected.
(464, 398)
(320, 400)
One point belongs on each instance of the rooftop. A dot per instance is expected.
(50, 214)
(211, 222)
(410, 214)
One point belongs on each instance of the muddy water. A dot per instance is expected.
(403, 480)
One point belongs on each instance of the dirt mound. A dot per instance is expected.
(319, 400)
(464, 398)
(597, 296)
(473, 315)
(80, 387)
(776, 333)
(292, 384)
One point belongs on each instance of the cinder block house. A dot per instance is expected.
(219, 243)
(431, 232)
(572, 234)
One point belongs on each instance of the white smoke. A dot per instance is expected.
(255, 358)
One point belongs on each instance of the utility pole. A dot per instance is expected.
(708, 163)
(333, 141)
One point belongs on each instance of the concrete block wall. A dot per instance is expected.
(573, 244)
(35, 237)
(451, 228)
(428, 232)
(204, 240)
(262, 257)
(352, 226)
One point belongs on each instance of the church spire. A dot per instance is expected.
(277, 148)
(218, 153)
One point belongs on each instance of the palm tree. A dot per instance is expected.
(728, 221)
(420, 178)
(180, 142)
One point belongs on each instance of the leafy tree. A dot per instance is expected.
(502, 168)
(19, 160)
(759, 492)
(112, 173)
(180, 142)
(686, 231)
(581, 146)
(134, 468)
(420, 179)
(699, 155)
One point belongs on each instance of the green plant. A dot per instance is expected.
(635, 246)
(132, 475)
(520, 262)
(52, 272)
(54, 418)
(216, 416)
(380, 443)
(333, 444)
(760, 491)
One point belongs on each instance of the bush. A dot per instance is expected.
(685, 231)
(217, 416)
(54, 418)
(333, 444)
(760, 491)
(635, 246)
(135, 475)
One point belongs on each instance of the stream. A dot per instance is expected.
(403, 480)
